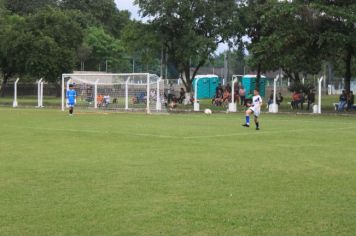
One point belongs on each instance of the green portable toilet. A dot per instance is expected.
(249, 83)
(206, 85)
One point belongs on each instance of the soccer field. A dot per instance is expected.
(178, 174)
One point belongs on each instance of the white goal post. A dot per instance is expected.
(127, 92)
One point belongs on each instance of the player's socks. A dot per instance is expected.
(247, 124)
(71, 111)
(257, 125)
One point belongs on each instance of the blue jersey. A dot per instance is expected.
(71, 95)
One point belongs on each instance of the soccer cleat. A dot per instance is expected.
(246, 125)
(257, 128)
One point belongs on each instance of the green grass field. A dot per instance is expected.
(178, 174)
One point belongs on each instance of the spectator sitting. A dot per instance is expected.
(181, 95)
(100, 100)
(228, 87)
(153, 95)
(279, 99)
(170, 93)
(226, 97)
(310, 99)
(218, 99)
(236, 93)
(242, 93)
(297, 98)
(350, 101)
(342, 101)
(106, 100)
(219, 88)
(172, 105)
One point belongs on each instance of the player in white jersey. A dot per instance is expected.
(255, 109)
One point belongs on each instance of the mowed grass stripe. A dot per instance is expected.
(245, 133)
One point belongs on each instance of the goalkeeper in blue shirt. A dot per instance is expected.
(71, 98)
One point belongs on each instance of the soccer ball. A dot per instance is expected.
(208, 111)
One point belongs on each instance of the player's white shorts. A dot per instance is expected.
(256, 111)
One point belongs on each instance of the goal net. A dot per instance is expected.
(126, 92)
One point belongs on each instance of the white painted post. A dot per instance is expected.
(158, 98)
(196, 104)
(39, 93)
(273, 108)
(15, 104)
(319, 98)
(148, 94)
(41, 100)
(67, 89)
(127, 93)
(96, 93)
(232, 105)
(63, 96)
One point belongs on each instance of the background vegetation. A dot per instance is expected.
(45, 38)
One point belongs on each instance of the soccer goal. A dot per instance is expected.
(127, 92)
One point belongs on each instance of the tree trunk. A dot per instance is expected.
(3, 86)
(258, 77)
(189, 80)
(186, 79)
(348, 67)
(296, 78)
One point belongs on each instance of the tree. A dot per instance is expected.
(13, 50)
(55, 39)
(252, 20)
(299, 36)
(24, 7)
(105, 49)
(40, 45)
(104, 11)
(140, 41)
(337, 32)
(287, 41)
(190, 31)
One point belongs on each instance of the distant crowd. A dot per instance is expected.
(346, 101)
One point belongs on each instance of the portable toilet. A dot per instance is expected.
(249, 83)
(206, 85)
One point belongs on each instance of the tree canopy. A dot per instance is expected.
(45, 38)
(190, 31)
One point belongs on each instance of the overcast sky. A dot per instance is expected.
(128, 5)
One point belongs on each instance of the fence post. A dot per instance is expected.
(196, 104)
(273, 108)
(158, 98)
(232, 105)
(96, 94)
(15, 93)
(127, 93)
(39, 95)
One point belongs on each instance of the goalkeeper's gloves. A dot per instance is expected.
(67, 101)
